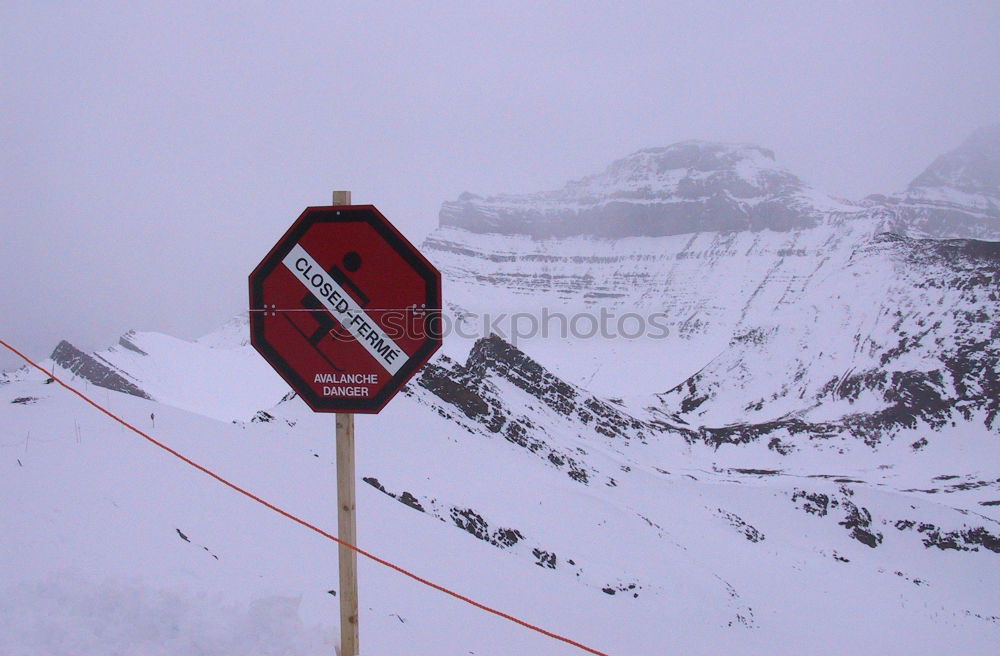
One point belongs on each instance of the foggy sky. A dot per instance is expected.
(153, 152)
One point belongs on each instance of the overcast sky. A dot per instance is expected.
(153, 152)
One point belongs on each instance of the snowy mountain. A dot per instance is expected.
(958, 195)
(693, 186)
(197, 376)
(686, 404)
(904, 333)
(690, 293)
(834, 320)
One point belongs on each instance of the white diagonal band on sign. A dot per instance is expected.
(345, 309)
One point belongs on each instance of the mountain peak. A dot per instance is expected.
(692, 158)
(973, 167)
(741, 170)
(704, 155)
(686, 187)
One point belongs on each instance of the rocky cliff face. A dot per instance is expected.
(697, 186)
(501, 391)
(691, 186)
(96, 370)
(904, 336)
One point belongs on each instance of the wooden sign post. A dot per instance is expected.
(347, 527)
(325, 310)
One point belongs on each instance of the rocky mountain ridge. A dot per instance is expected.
(972, 168)
(688, 187)
(919, 348)
(957, 196)
(697, 186)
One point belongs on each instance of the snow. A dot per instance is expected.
(96, 501)
(978, 203)
(232, 382)
(110, 545)
(658, 191)
(705, 285)
(669, 176)
(74, 613)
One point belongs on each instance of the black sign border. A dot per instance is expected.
(424, 269)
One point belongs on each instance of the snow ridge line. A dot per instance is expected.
(297, 520)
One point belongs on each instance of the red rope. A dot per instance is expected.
(302, 522)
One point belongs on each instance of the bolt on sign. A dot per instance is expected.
(345, 309)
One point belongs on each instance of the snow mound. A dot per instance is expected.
(76, 615)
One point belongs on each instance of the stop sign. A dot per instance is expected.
(345, 309)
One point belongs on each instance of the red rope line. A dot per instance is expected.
(302, 522)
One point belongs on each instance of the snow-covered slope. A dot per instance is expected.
(661, 546)
(827, 320)
(631, 315)
(218, 375)
(903, 333)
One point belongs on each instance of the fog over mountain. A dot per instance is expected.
(973, 167)
(693, 186)
(697, 186)
(155, 153)
(958, 195)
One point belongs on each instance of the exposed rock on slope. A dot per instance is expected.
(501, 391)
(687, 187)
(94, 369)
(920, 347)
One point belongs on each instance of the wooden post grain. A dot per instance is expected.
(347, 531)
(347, 528)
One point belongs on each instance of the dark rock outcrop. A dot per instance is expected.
(92, 369)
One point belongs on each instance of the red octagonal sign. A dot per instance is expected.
(345, 309)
